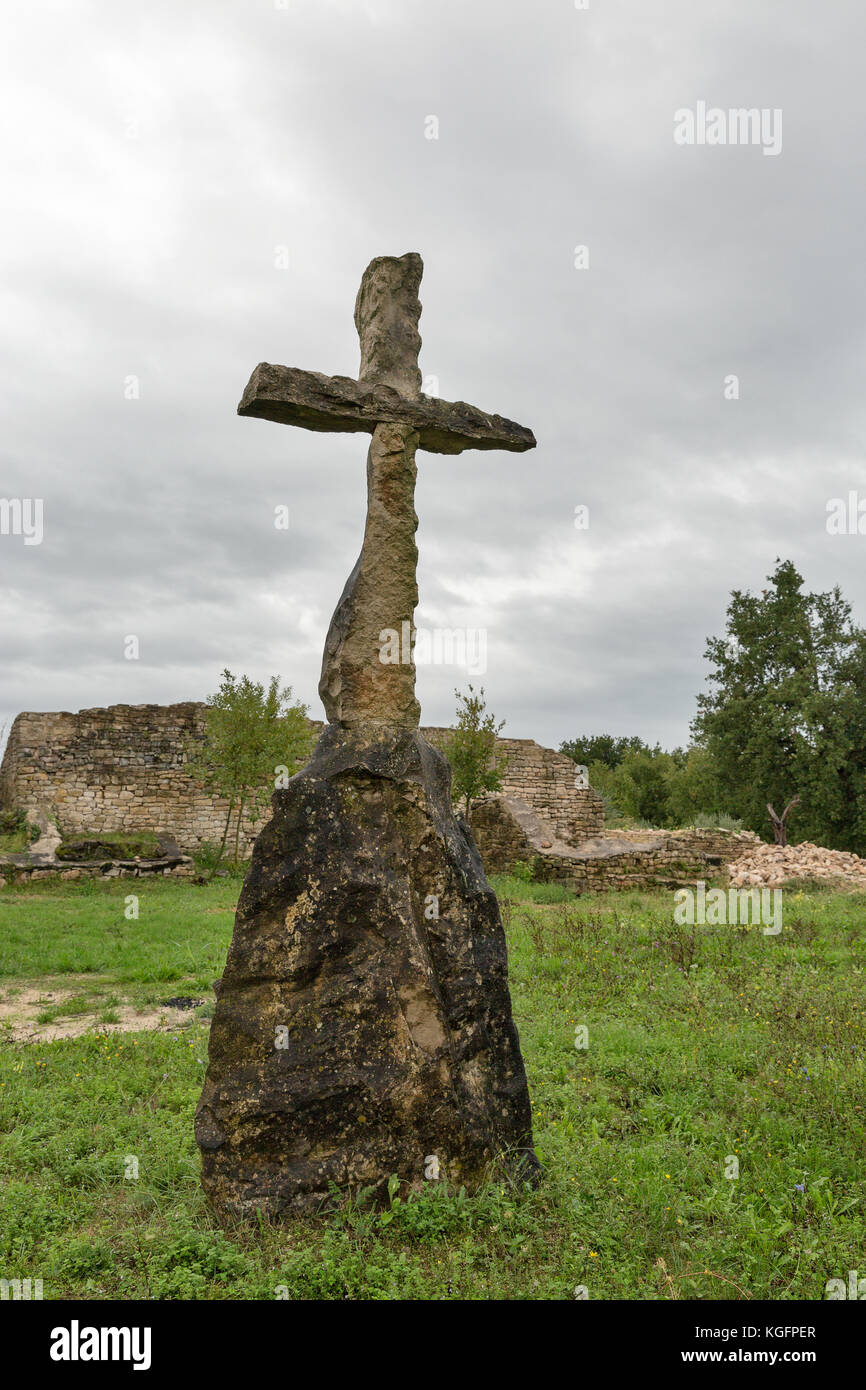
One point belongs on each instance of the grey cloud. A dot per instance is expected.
(152, 253)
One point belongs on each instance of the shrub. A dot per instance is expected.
(719, 820)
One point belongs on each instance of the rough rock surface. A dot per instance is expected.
(356, 685)
(387, 310)
(339, 405)
(49, 836)
(369, 942)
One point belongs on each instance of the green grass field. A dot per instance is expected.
(703, 1043)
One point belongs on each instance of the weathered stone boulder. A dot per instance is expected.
(363, 1023)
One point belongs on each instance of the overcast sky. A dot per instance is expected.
(156, 159)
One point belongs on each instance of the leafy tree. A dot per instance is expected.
(602, 748)
(634, 779)
(787, 714)
(250, 734)
(640, 785)
(602, 779)
(694, 789)
(476, 764)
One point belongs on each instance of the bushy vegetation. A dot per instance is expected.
(785, 717)
(16, 833)
(648, 786)
(470, 747)
(108, 845)
(255, 740)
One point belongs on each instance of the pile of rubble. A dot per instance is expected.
(771, 865)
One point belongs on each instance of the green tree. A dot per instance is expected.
(476, 764)
(694, 789)
(787, 715)
(640, 785)
(602, 748)
(633, 778)
(250, 734)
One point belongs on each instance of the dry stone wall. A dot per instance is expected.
(123, 769)
(18, 873)
(663, 859)
(120, 769)
(507, 834)
(546, 781)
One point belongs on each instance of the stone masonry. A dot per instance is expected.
(507, 832)
(546, 782)
(120, 769)
(123, 769)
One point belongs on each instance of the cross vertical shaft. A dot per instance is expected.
(356, 686)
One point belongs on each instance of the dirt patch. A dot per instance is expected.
(20, 1007)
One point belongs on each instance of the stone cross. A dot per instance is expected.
(401, 1045)
(357, 686)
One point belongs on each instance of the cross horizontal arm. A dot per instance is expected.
(343, 405)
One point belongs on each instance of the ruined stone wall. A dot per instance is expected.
(501, 840)
(112, 770)
(546, 781)
(617, 859)
(122, 769)
(678, 858)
